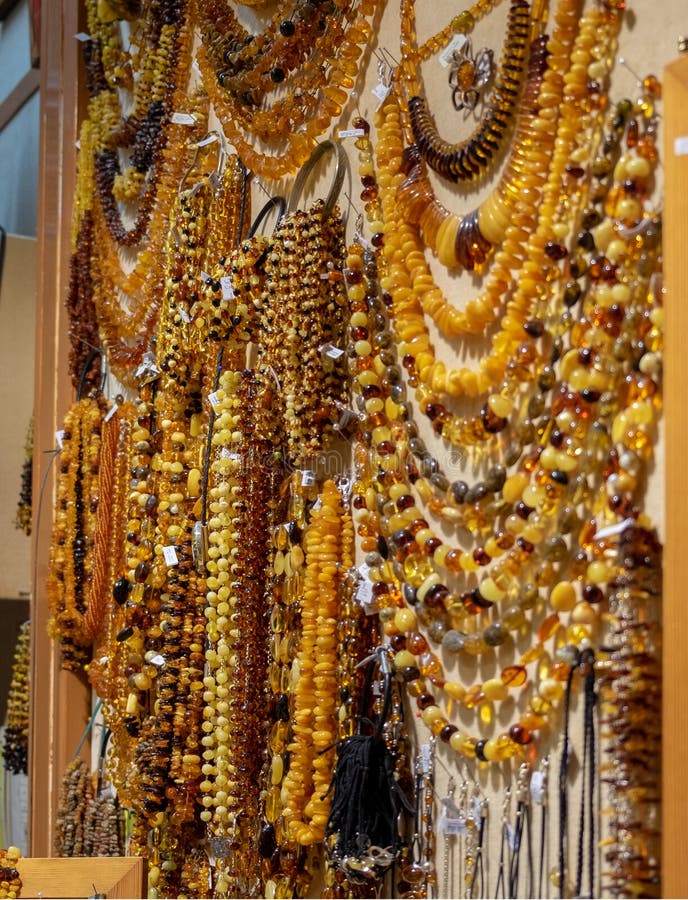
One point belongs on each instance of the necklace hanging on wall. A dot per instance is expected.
(275, 139)
(408, 541)
(478, 154)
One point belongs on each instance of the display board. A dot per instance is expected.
(497, 787)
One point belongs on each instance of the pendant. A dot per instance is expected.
(469, 72)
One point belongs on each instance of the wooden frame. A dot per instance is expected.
(60, 701)
(675, 613)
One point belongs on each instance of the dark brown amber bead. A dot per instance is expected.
(447, 732)
(520, 735)
(480, 750)
(385, 448)
(593, 594)
(481, 556)
(435, 596)
(431, 545)
(555, 251)
(492, 423)
(405, 502)
(425, 700)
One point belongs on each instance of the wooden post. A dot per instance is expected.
(60, 702)
(675, 611)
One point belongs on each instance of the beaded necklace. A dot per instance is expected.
(328, 546)
(163, 40)
(477, 155)
(562, 597)
(10, 879)
(16, 739)
(294, 121)
(301, 320)
(71, 556)
(511, 347)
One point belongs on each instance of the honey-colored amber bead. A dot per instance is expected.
(514, 676)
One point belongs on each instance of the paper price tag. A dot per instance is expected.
(184, 315)
(453, 826)
(426, 758)
(331, 351)
(82, 36)
(110, 413)
(681, 146)
(227, 289)
(214, 401)
(456, 43)
(351, 132)
(612, 530)
(207, 140)
(380, 92)
(170, 555)
(307, 478)
(59, 437)
(537, 784)
(180, 118)
(364, 591)
(511, 837)
(205, 278)
(158, 660)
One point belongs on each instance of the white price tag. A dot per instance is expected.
(380, 92)
(227, 289)
(214, 401)
(231, 454)
(537, 784)
(456, 43)
(426, 758)
(453, 826)
(170, 555)
(82, 36)
(351, 132)
(59, 437)
(158, 660)
(681, 146)
(180, 118)
(332, 351)
(205, 278)
(364, 591)
(184, 315)
(511, 837)
(207, 140)
(110, 413)
(612, 530)
(307, 478)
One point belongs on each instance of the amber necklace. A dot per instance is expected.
(163, 41)
(536, 251)
(423, 589)
(316, 90)
(476, 155)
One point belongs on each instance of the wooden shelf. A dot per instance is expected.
(119, 876)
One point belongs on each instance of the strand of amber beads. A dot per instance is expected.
(314, 687)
